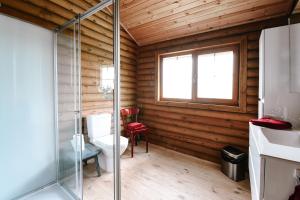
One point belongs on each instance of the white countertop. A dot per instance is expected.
(284, 144)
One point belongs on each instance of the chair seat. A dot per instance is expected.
(135, 126)
(90, 151)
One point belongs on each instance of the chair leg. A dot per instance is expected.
(97, 166)
(132, 138)
(146, 138)
(85, 162)
(136, 139)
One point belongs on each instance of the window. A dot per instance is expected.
(106, 80)
(207, 76)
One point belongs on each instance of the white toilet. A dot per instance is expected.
(99, 132)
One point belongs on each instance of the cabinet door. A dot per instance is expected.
(279, 178)
(295, 57)
(261, 64)
(276, 71)
(261, 73)
(256, 172)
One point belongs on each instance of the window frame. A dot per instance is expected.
(237, 104)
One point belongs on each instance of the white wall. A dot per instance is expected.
(27, 143)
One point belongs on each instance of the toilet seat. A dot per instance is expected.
(107, 142)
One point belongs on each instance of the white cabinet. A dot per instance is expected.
(273, 163)
(256, 166)
(295, 57)
(279, 73)
(279, 178)
(271, 178)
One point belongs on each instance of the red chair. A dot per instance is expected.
(132, 127)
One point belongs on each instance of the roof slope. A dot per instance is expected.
(151, 21)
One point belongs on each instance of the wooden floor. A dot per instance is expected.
(163, 174)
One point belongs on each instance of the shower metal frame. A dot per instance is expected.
(116, 62)
(77, 101)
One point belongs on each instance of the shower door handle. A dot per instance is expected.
(77, 122)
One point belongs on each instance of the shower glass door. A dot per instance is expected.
(69, 140)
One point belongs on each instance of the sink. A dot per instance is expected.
(284, 144)
(274, 161)
(282, 137)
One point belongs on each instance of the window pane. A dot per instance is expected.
(177, 77)
(108, 72)
(107, 78)
(215, 75)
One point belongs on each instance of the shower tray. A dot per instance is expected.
(52, 192)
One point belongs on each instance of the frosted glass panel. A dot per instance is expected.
(27, 145)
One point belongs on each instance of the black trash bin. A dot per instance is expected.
(233, 163)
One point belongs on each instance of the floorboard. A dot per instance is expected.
(164, 174)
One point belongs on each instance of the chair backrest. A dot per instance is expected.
(129, 115)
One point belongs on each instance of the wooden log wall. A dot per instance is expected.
(199, 132)
(97, 45)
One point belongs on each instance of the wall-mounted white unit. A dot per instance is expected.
(295, 57)
(274, 155)
(279, 73)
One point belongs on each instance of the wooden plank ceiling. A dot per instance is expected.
(153, 21)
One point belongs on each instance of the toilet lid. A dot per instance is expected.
(108, 141)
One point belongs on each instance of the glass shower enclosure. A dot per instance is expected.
(40, 109)
(39, 112)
